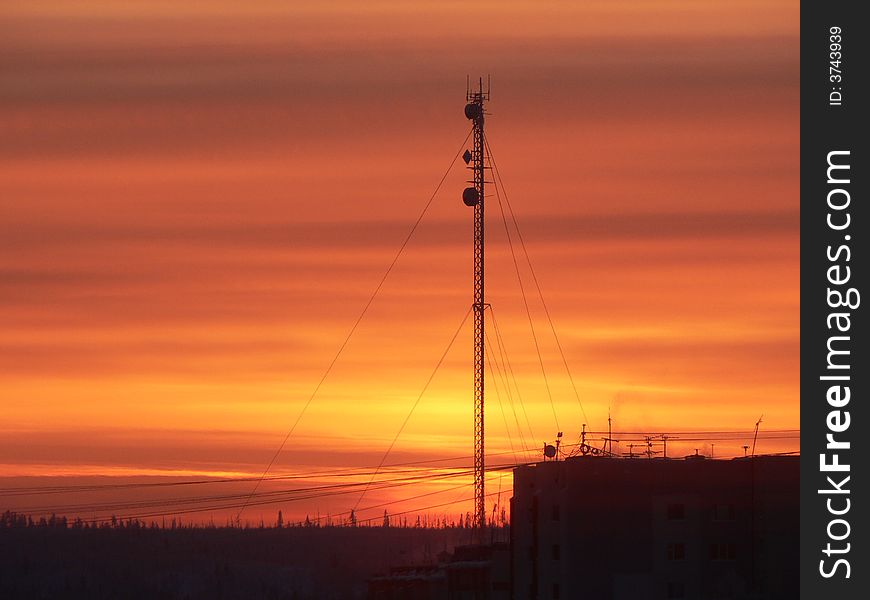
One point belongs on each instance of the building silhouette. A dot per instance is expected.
(653, 528)
(476, 572)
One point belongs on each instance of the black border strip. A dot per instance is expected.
(830, 123)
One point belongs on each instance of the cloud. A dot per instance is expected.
(197, 201)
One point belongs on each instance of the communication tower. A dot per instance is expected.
(473, 196)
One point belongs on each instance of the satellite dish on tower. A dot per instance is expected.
(472, 110)
(549, 451)
(470, 196)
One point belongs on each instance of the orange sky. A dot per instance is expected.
(196, 203)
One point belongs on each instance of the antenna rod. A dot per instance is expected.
(474, 196)
(609, 433)
(755, 437)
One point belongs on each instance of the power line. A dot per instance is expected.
(148, 509)
(408, 499)
(360, 317)
(416, 402)
(367, 470)
(431, 506)
(391, 502)
(272, 501)
(225, 502)
(276, 495)
(360, 471)
(690, 432)
(677, 440)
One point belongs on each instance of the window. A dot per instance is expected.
(557, 593)
(676, 551)
(556, 513)
(556, 552)
(676, 512)
(724, 512)
(723, 552)
(676, 589)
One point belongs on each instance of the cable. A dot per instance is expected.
(406, 499)
(361, 471)
(416, 402)
(506, 359)
(722, 432)
(359, 318)
(526, 304)
(40, 490)
(391, 502)
(275, 496)
(501, 368)
(502, 372)
(152, 514)
(422, 508)
(534, 277)
(500, 404)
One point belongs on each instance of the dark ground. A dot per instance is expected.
(215, 563)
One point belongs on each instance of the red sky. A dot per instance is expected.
(196, 203)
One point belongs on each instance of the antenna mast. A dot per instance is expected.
(755, 437)
(474, 196)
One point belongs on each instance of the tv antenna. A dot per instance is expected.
(755, 437)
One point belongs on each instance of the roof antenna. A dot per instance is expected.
(755, 437)
(609, 432)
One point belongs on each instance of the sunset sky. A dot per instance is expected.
(197, 199)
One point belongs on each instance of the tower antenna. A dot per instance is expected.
(473, 196)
